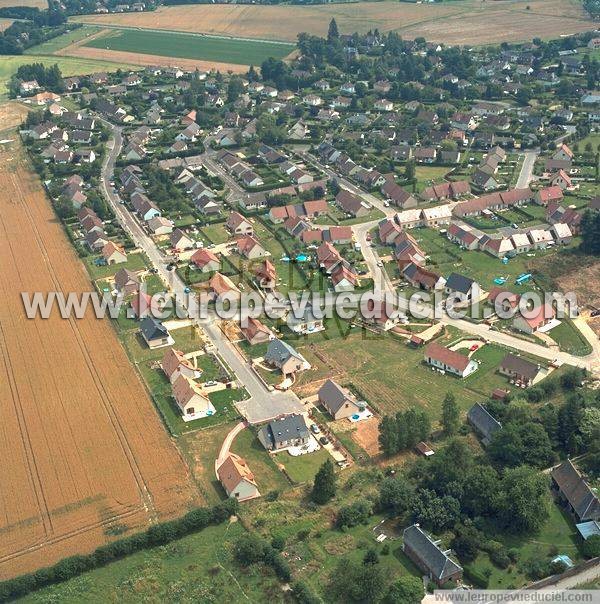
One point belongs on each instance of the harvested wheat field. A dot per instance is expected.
(459, 22)
(84, 453)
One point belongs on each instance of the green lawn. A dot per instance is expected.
(135, 262)
(304, 467)
(268, 476)
(60, 42)
(69, 66)
(191, 46)
(197, 568)
(569, 339)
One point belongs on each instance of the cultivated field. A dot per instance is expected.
(187, 46)
(85, 455)
(460, 22)
(35, 3)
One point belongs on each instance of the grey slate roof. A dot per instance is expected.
(577, 492)
(483, 422)
(459, 283)
(153, 329)
(431, 556)
(334, 397)
(278, 431)
(279, 352)
(520, 366)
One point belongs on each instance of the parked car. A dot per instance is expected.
(315, 429)
(324, 440)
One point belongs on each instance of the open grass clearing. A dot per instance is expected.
(51, 46)
(188, 46)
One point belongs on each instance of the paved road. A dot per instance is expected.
(263, 404)
(526, 174)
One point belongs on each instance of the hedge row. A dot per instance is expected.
(157, 534)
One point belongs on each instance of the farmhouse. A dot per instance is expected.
(443, 358)
(575, 493)
(288, 431)
(338, 401)
(191, 399)
(429, 557)
(155, 334)
(520, 371)
(483, 422)
(237, 478)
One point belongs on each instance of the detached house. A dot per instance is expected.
(338, 401)
(113, 253)
(285, 432)
(520, 371)
(575, 493)
(174, 364)
(483, 422)
(238, 225)
(285, 358)
(155, 333)
(256, 332)
(536, 319)
(237, 478)
(191, 399)
(429, 557)
(205, 260)
(443, 358)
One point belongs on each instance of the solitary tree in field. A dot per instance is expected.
(450, 414)
(324, 485)
(333, 33)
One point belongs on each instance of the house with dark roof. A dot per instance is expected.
(339, 402)
(484, 423)
(155, 333)
(519, 370)
(429, 557)
(575, 493)
(283, 356)
(285, 432)
(459, 284)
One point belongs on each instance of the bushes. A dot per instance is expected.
(354, 514)
(252, 549)
(157, 534)
(475, 577)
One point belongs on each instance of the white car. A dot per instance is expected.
(379, 263)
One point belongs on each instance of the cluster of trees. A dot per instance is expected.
(253, 549)
(324, 486)
(49, 77)
(366, 581)
(163, 191)
(403, 430)
(454, 484)
(590, 232)
(21, 35)
(157, 534)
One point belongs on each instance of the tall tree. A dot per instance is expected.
(406, 590)
(450, 414)
(333, 33)
(324, 486)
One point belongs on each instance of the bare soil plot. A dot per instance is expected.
(88, 455)
(460, 22)
(366, 436)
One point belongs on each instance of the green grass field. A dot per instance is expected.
(60, 42)
(188, 46)
(69, 66)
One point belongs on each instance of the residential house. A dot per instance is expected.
(249, 247)
(266, 275)
(305, 323)
(457, 284)
(205, 260)
(429, 557)
(288, 431)
(237, 479)
(520, 371)
(561, 179)
(422, 278)
(238, 225)
(174, 364)
(285, 358)
(339, 402)
(180, 241)
(160, 225)
(548, 195)
(256, 332)
(191, 399)
(535, 319)
(484, 422)
(581, 501)
(113, 253)
(450, 361)
(221, 285)
(127, 282)
(351, 204)
(155, 334)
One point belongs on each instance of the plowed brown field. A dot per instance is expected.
(458, 22)
(83, 452)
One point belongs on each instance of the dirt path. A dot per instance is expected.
(227, 444)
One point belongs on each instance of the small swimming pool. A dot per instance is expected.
(356, 416)
(301, 258)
